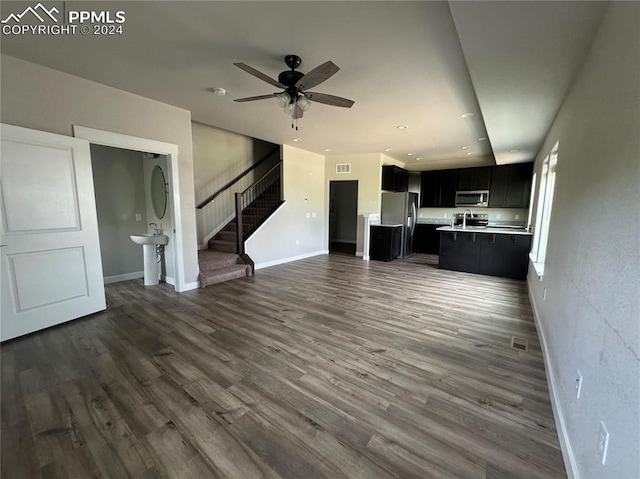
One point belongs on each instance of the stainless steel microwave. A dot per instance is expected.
(479, 198)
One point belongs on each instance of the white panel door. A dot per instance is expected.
(51, 271)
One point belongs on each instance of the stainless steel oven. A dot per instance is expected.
(479, 198)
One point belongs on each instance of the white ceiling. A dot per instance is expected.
(420, 64)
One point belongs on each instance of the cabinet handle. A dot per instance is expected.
(455, 236)
(473, 237)
(493, 238)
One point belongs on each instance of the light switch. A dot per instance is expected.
(313, 215)
(308, 215)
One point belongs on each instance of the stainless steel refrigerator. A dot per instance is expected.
(401, 209)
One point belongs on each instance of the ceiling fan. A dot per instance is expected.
(295, 98)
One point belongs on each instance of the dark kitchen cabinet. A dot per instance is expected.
(385, 242)
(395, 178)
(438, 189)
(460, 251)
(519, 185)
(510, 186)
(505, 255)
(448, 188)
(429, 189)
(427, 239)
(498, 190)
(472, 179)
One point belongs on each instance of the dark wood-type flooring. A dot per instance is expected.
(327, 367)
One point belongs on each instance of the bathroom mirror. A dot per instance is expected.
(158, 192)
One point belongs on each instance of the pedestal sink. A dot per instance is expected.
(149, 244)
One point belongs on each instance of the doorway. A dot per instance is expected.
(343, 217)
(170, 151)
(126, 205)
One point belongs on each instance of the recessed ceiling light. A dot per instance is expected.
(482, 138)
(328, 149)
(219, 91)
(469, 153)
(410, 154)
(402, 127)
(297, 139)
(419, 158)
(464, 147)
(387, 149)
(514, 151)
(467, 115)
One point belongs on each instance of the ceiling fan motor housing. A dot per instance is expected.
(289, 78)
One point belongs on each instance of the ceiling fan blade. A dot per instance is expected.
(317, 76)
(259, 97)
(297, 111)
(329, 99)
(258, 74)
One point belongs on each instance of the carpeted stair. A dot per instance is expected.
(219, 266)
(221, 262)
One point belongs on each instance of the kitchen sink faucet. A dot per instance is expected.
(464, 218)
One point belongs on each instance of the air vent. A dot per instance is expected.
(519, 343)
(343, 168)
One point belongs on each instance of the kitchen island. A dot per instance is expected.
(494, 251)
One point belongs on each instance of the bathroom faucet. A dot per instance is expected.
(155, 228)
(464, 218)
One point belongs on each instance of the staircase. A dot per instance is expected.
(225, 258)
(219, 266)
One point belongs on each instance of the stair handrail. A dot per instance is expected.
(204, 203)
(277, 165)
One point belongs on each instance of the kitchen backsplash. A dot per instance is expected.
(507, 216)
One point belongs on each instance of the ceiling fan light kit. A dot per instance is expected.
(295, 100)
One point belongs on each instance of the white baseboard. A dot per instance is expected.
(276, 262)
(570, 463)
(168, 279)
(189, 286)
(360, 253)
(123, 277)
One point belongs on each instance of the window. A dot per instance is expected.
(543, 210)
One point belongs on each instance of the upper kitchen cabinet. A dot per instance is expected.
(511, 186)
(438, 189)
(429, 189)
(471, 179)
(395, 178)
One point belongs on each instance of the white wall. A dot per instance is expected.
(44, 99)
(590, 320)
(288, 234)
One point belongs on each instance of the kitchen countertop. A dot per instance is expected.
(389, 226)
(491, 230)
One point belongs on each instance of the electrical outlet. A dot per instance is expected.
(297, 241)
(603, 442)
(308, 215)
(578, 384)
(544, 294)
(517, 217)
(498, 217)
(138, 217)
